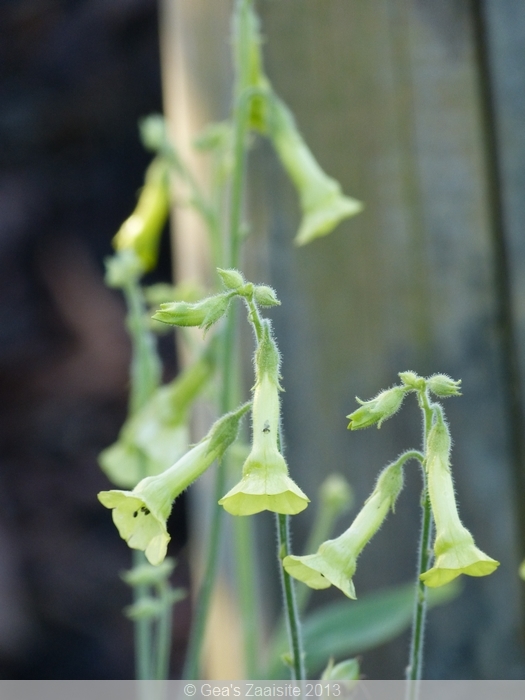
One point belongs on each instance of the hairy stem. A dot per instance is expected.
(290, 603)
(415, 667)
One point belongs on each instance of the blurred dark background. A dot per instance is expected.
(75, 77)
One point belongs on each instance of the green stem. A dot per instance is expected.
(145, 366)
(207, 212)
(415, 668)
(229, 375)
(142, 628)
(290, 603)
(164, 632)
(145, 377)
(192, 665)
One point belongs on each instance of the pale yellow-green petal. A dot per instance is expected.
(262, 490)
(463, 559)
(137, 524)
(157, 549)
(314, 569)
(123, 464)
(298, 568)
(322, 220)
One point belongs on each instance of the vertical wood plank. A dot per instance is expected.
(387, 95)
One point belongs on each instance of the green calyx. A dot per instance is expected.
(378, 409)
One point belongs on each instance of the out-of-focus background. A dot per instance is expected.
(418, 108)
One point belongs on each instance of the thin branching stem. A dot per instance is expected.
(415, 667)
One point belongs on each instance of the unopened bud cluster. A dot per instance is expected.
(208, 311)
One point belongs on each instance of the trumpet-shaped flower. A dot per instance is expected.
(335, 561)
(454, 547)
(140, 515)
(156, 435)
(265, 484)
(323, 203)
(141, 231)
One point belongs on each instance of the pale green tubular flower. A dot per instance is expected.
(335, 561)
(140, 515)
(265, 484)
(154, 437)
(323, 203)
(141, 231)
(454, 547)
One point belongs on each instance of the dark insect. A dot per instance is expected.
(266, 428)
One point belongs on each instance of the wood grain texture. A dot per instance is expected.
(387, 93)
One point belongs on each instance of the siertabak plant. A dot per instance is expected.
(153, 459)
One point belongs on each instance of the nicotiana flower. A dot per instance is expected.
(454, 547)
(265, 484)
(141, 231)
(378, 409)
(323, 203)
(156, 435)
(335, 560)
(140, 515)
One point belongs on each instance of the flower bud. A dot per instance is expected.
(343, 671)
(232, 279)
(265, 296)
(335, 561)
(140, 515)
(336, 494)
(322, 202)
(454, 546)
(148, 608)
(521, 571)
(377, 410)
(122, 268)
(141, 231)
(153, 132)
(148, 575)
(202, 314)
(412, 380)
(443, 386)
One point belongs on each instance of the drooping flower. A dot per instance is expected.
(323, 203)
(454, 546)
(141, 231)
(140, 515)
(335, 560)
(265, 484)
(154, 437)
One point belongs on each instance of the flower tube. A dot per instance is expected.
(335, 560)
(323, 203)
(454, 546)
(140, 515)
(141, 231)
(265, 484)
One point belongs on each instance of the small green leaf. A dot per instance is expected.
(351, 627)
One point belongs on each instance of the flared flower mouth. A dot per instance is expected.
(325, 217)
(265, 487)
(454, 559)
(330, 566)
(138, 523)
